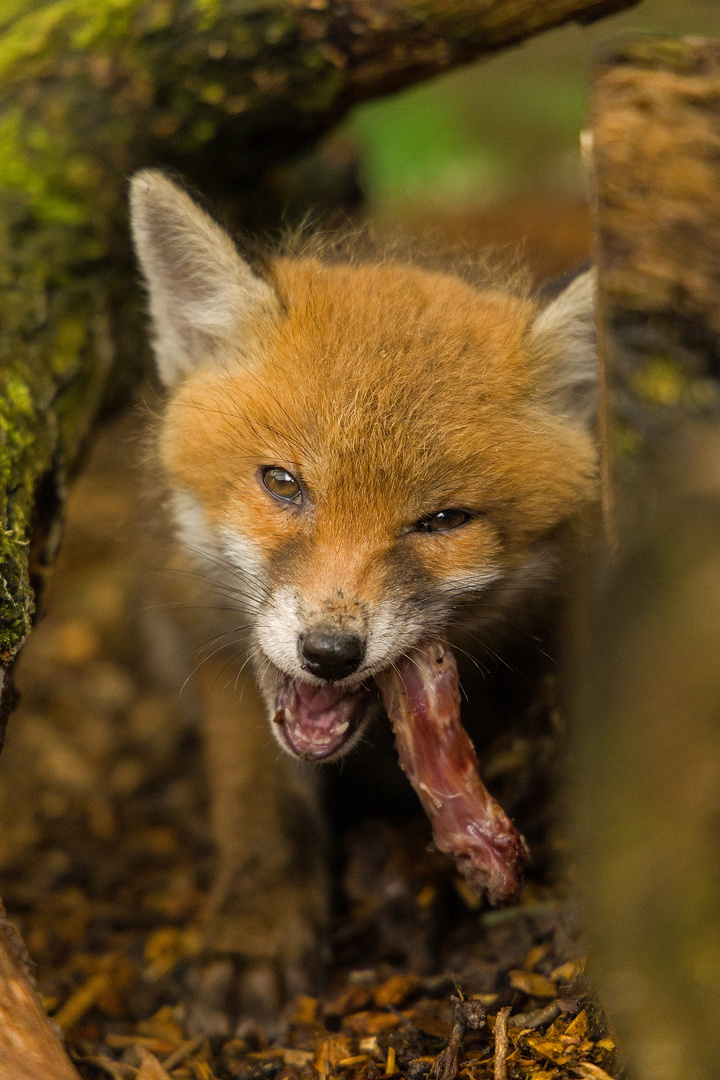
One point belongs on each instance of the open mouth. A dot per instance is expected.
(317, 721)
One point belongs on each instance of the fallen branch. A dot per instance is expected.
(29, 1047)
(501, 1044)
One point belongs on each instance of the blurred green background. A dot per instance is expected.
(506, 126)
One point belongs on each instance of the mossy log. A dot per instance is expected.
(650, 738)
(656, 151)
(219, 88)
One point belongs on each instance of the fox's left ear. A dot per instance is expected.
(206, 301)
(565, 340)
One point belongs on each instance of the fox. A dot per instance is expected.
(360, 454)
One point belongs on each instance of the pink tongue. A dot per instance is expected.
(316, 700)
(422, 699)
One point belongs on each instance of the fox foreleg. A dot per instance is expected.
(266, 918)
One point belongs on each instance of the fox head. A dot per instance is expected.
(368, 453)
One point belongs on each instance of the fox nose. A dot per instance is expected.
(330, 655)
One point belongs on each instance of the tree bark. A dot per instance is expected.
(29, 1047)
(656, 150)
(649, 752)
(231, 85)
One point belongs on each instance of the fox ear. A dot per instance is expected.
(565, 339)
(203, 295)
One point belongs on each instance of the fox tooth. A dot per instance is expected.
(342, 728)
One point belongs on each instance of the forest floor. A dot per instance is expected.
(105, 860)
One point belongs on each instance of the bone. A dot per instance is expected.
(422, 699)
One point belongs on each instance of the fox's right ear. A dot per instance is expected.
(203, 296)
(565, 338)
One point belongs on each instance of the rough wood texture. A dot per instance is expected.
(656, 149)
(54, 354)
(243, 83)
(651, 775)
(29, 1048)
(650, 760)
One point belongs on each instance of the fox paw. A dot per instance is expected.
(230, 995)
(261, 950)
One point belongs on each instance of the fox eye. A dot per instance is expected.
(281, 484)
(442, 520)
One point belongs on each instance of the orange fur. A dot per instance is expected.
(366, 357)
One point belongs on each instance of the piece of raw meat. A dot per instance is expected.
(422, 698)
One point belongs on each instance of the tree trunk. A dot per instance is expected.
(650, 744)
(656, 149)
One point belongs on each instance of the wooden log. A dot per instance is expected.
(231, 85)
(29, 1047)
(55, 353)
(649, 746)
(650, 775)
(656, 151)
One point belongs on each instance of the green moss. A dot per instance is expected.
(670, 54)
(36, 393)
(17, 397)
(660, 381)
